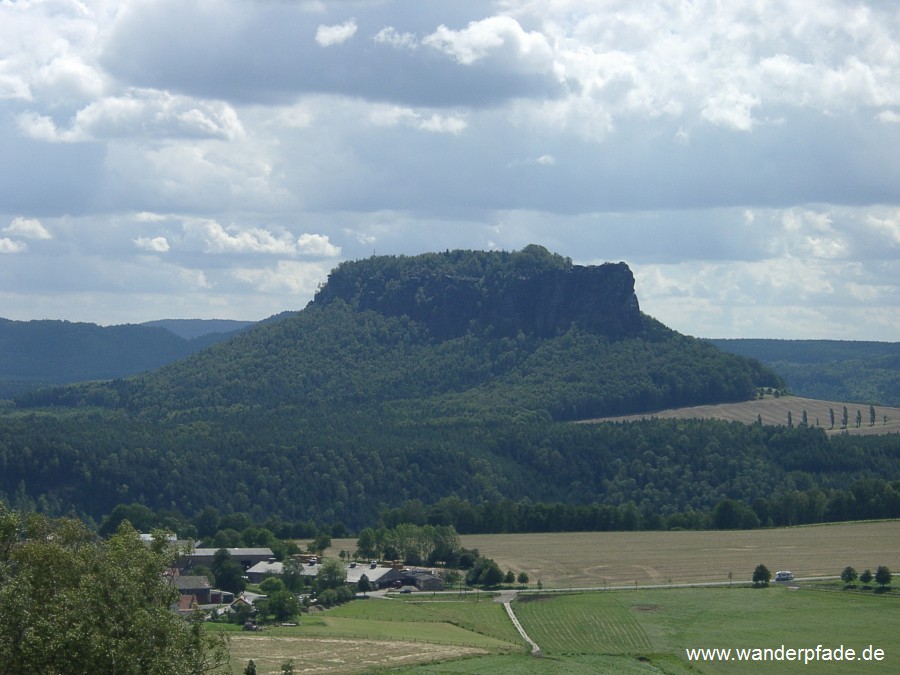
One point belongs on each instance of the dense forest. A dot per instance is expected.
(353, 407)
(863, 372)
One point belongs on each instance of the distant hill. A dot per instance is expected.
(195, 328)
(35, 354)
(857, 371)
(447, 376)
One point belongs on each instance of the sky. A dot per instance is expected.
(217, 158)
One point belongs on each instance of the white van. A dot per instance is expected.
(784, 576)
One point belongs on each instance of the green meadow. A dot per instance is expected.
(627, 631)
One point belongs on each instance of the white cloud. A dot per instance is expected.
(327, 36)
(67, 76)
(139, 113)
(30, 228)
(234, 239)
(494, 36)
(9, 246)
(148, 217)
(214, 238)
(888, 226)
(443, 124)
(317, 245)
(389, 116)
(731, 108)
(390, 36)
(13, 86)
(154, 244)
(290, 276)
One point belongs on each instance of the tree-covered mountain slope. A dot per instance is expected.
(372, 395)
(444, 335)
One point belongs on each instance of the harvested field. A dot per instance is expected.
(595, 559)
(775, 411)
(333, 655)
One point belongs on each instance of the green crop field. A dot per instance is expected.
(604, 631)
(649, 631)
(582, 624)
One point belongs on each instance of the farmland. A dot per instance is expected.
(377, 633)
(630, 630)
(596, 559)
(654, 627)
(646, 630)
(774, 410)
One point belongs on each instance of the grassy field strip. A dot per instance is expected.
(435, 632)
(335, 655)
(484, 618)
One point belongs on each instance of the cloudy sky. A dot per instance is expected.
(216, 158)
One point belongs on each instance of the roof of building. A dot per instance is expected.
(353, 573)
(235, 552)
(266, 567)
(191, 582)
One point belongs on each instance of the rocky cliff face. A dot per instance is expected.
(541, 296)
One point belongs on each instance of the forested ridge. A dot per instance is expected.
(859, 371)
(352, 406)
(34, 354)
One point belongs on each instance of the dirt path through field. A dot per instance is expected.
(535, 650)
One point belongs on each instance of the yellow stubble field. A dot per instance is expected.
(598, 559)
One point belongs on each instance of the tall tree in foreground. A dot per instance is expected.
(73, 603)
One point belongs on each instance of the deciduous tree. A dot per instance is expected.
(761, 575)
(74, 603)
(848, 575)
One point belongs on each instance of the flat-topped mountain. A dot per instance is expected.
(532, 291)
(449, 334)
(408, 377)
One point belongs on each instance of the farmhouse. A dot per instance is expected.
(379, 576)
(263, 570)
(196, 587)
